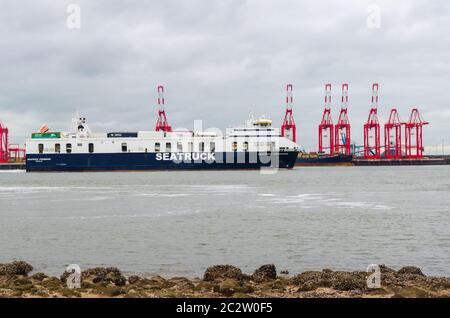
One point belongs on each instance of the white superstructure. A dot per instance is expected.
(255, 136)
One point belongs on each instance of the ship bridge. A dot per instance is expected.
(261, 127)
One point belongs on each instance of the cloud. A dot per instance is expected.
(219, 60)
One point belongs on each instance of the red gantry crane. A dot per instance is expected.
(162, 123)
(414, 141)
(372, 149)
(342, 127)
(4, 152)
(393, 136)
(16, 153)
(288, 129)
(326, 126)
(9, 153)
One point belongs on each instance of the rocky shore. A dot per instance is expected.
(18, 280)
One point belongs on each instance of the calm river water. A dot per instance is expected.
(178, 223)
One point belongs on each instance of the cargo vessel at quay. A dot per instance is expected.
(253, 145)
(314, 160)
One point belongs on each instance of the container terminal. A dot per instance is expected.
(402, 143)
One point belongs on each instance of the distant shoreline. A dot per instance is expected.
(220, 281)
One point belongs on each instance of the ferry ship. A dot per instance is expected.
(254, 145)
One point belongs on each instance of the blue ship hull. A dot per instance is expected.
(157, 161)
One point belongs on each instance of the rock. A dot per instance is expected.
(41, 293)
(87, 285)
(410, 270)
(204, 286)
(309, 281)
(100, 271)
(344, 281)
(307, 286)
(111, 291)
(182, 283)
(22, 281)
(388, 276)
(412, 292)
(134, 279)
(247, 289)
(158, 282)
(99, 279)
(23, 284)
(265, 273)
(222, 272)
(387, 270)
(52, 283)
(69, 293)
(134, 294)
(155, 283)
(39, 276)
(15, 268)
(120, 281)
(223, 281)
(274, 285)
(113, 277)
(102, 275)
(108, 275)
(227, 287)
(17, 293)
(440, 283)
(64, 276)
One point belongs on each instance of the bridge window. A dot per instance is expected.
(91, 148)
(157, 147)
(41, 148)
(69, 148)
(168, 147)
(124, 147)
(234, 146)
(212, 147)
(246, 146)
(190, 147)
(57, 148)
(201, 147)
(179, 147)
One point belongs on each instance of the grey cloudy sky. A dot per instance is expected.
(219, 59)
